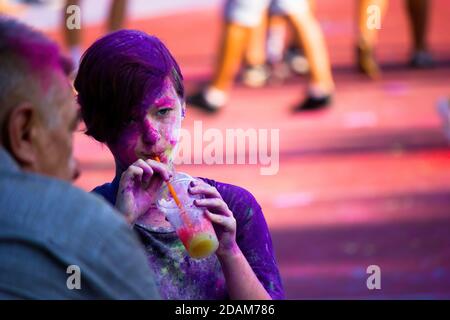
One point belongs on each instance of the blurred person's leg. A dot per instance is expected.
(312, 6)
(292, 41)
(276, 38)
(255, 53)
(294, 55)
(234, 42)
(72, 38)
(240, 17)
(367, 38)
(284, 54)
(255, 73)
(311, 39)
(117, 14)
(418, 16)
(267, 43)
(11, 9)
(277, 50)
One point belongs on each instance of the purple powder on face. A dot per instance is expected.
(124, 148)
(169, 99)
(168, 123)
(150, 135)
(120, 74)
(164, 101)
(173, 139)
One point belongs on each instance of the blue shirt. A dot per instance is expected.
(47, 225)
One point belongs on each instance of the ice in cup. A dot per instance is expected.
(195, 231)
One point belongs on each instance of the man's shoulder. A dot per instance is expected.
(46, 191)
(52, 209)
(48, 225)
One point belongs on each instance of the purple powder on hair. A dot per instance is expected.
(120, 75)
(39, 54)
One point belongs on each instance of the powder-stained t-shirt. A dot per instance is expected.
(181, 277)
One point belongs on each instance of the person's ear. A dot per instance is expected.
(21, 134)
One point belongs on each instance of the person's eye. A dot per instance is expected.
(163, 112)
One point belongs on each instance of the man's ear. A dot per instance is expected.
(21, 133)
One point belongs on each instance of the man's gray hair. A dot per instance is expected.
(27, 58)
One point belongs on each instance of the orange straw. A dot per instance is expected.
(177, 200)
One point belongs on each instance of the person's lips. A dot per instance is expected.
(147, 156)
(151, 155)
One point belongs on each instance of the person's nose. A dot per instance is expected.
(151, 134)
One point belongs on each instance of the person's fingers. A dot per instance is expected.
(143, 172)
(147, 171)
(228, 223)
(160, 168)
(207, 190)
(155, 184)
(133, 173)
(214, 204)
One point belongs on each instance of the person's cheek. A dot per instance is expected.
(151, 135)
(125, 147)
(172, 131)
(171, 136)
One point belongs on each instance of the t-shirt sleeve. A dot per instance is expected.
(253, 236)
(107, 191)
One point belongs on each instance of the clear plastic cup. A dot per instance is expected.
(195, 231)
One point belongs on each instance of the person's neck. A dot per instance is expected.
(119, 170)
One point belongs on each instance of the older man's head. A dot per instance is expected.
(38, 112)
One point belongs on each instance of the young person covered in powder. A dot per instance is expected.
(131, 94)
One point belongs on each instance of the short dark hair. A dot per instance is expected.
(27, 57)
(119, 72)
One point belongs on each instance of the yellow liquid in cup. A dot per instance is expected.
(202, 245)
